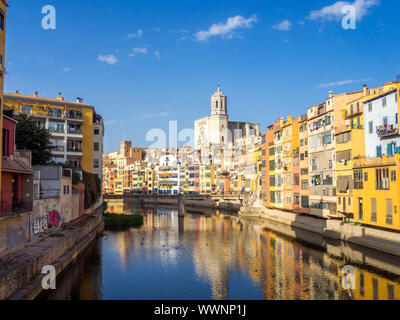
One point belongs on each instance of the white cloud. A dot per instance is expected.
(225, 30)
(108, 58)
(283, 26)
(340, 83)
(138, 34)
(157, 55)
(136, 51)
(67, 69)
(334, 11)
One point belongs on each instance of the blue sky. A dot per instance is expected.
(144, 63)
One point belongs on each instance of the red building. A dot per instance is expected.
(197, 179)
(17, 175)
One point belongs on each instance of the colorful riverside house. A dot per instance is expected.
(17, 174)
(304, 164)
(72, 125)
(267, 140)
(197, 179)
(376, 186)
(119, 186)
(296, 165)
(278, 163)
(290, 142)
(324, 121)
(349, 146)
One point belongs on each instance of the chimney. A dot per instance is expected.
(365, 90)
(59, 96)
(79, 100)
(35, 94)
(330, 94)
(16, 92)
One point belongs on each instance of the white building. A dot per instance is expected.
(381, 119)
(216, 129)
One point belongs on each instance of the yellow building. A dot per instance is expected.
(76, 129)
(119, 186)
(377, 192)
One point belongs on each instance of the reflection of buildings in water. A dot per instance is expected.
(286, 269)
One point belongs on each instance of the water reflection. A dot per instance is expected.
(217, 257)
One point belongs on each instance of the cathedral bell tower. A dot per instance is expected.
(219, 103)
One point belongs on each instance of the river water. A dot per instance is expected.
(221, 256)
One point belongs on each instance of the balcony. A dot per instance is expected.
(57, 148)
(387, 130)
(74, 149)
(57, 130)
(74, 131)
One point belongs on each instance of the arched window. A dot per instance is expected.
(216, 104)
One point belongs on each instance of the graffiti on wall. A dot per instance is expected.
(53, 219)
(44, 223)
(39, 225)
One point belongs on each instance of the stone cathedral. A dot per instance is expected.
(216, 129)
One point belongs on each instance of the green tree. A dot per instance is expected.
(29, 136)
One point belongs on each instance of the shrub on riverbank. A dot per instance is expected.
(122, 221)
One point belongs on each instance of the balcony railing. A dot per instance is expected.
(58, 148)
(56, 130)
(74, 131)
(70, 149)
(387, 130)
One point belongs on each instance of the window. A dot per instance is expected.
(365, 176)
(296, 179)
(389, 211)
(373, 210)
(296, 199)
(327, 139)
(304, 201)
(6, 146)
(369, 107)
(358, 180)
(96, 131)
(393, 175)
(379, 151)
(382, 179)
(304, 185)
(96, 146)
(384, 102)
(362, 284)
(96, 163)
(371, 127)
(26, 110)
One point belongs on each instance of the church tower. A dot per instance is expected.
(219, 103)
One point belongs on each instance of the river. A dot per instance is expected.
(221, 256)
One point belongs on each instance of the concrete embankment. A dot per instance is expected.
(20, 271)
(382, 240)
(191, 202)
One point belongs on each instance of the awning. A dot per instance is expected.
(15, 166)
(343, 183)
